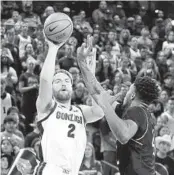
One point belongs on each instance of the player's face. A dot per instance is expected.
(129, 96)
(88, 152)
(6, 146)
(4, 163)
(62, 87)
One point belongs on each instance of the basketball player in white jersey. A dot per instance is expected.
(63, 126)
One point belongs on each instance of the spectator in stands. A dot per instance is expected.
(120, 11)
(28, 54)
(13, 111)
(117, 22)
(159, 28)
(98, 14)
(48, 11)
(131, 25)
(75, 75)
(68, 60)
(118, 78)
(134, 51)
(157, 108)
(23, 39)
(163, 144)
(16, 130)
(79, 93)
(15, 20)
(163, 130)
(10, 125)
(39, 47)
(28, 87)
(107, 23)
(28, 16)
(6, 162)
(108, 147)
(7, 8)
(8, 72)
(144, 39)
(167, 116)
(164, 97)
(7, 100)
(14, 50)
(67, 11)
(161, 61)
(138, 25)
(170, 65)
(125, 68)
(143, 12)
(90, 164)
(169, 27)
(124, 40)
(169, 43)
(150, 69)
(104, 70)
(113, 39)
(168, 83)
(83, 22)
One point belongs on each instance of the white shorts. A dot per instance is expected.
(49, 169)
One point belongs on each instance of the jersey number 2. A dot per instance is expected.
(70, 132)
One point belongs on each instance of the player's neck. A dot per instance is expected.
(66, 104)
(161, 155)
(137, 102)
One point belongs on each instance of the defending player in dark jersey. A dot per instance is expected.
(137, 155)
(135, 130)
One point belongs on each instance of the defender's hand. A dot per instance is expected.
(85, 50)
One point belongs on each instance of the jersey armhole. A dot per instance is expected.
(39, 123)
(137, 140)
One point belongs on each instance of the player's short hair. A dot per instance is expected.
(146, 89)
(64, 72)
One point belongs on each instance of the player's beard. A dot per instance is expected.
(62, 96)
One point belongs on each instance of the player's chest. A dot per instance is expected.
(66, 123)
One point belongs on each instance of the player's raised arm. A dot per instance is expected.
(123, 130)
(44, 100)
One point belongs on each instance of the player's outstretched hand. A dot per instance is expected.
(85, 50)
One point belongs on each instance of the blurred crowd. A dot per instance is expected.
(131, 39)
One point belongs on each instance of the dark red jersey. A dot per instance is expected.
(137, 157)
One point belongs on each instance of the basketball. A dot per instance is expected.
(58, 27)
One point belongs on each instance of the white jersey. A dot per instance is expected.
(64, 138)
